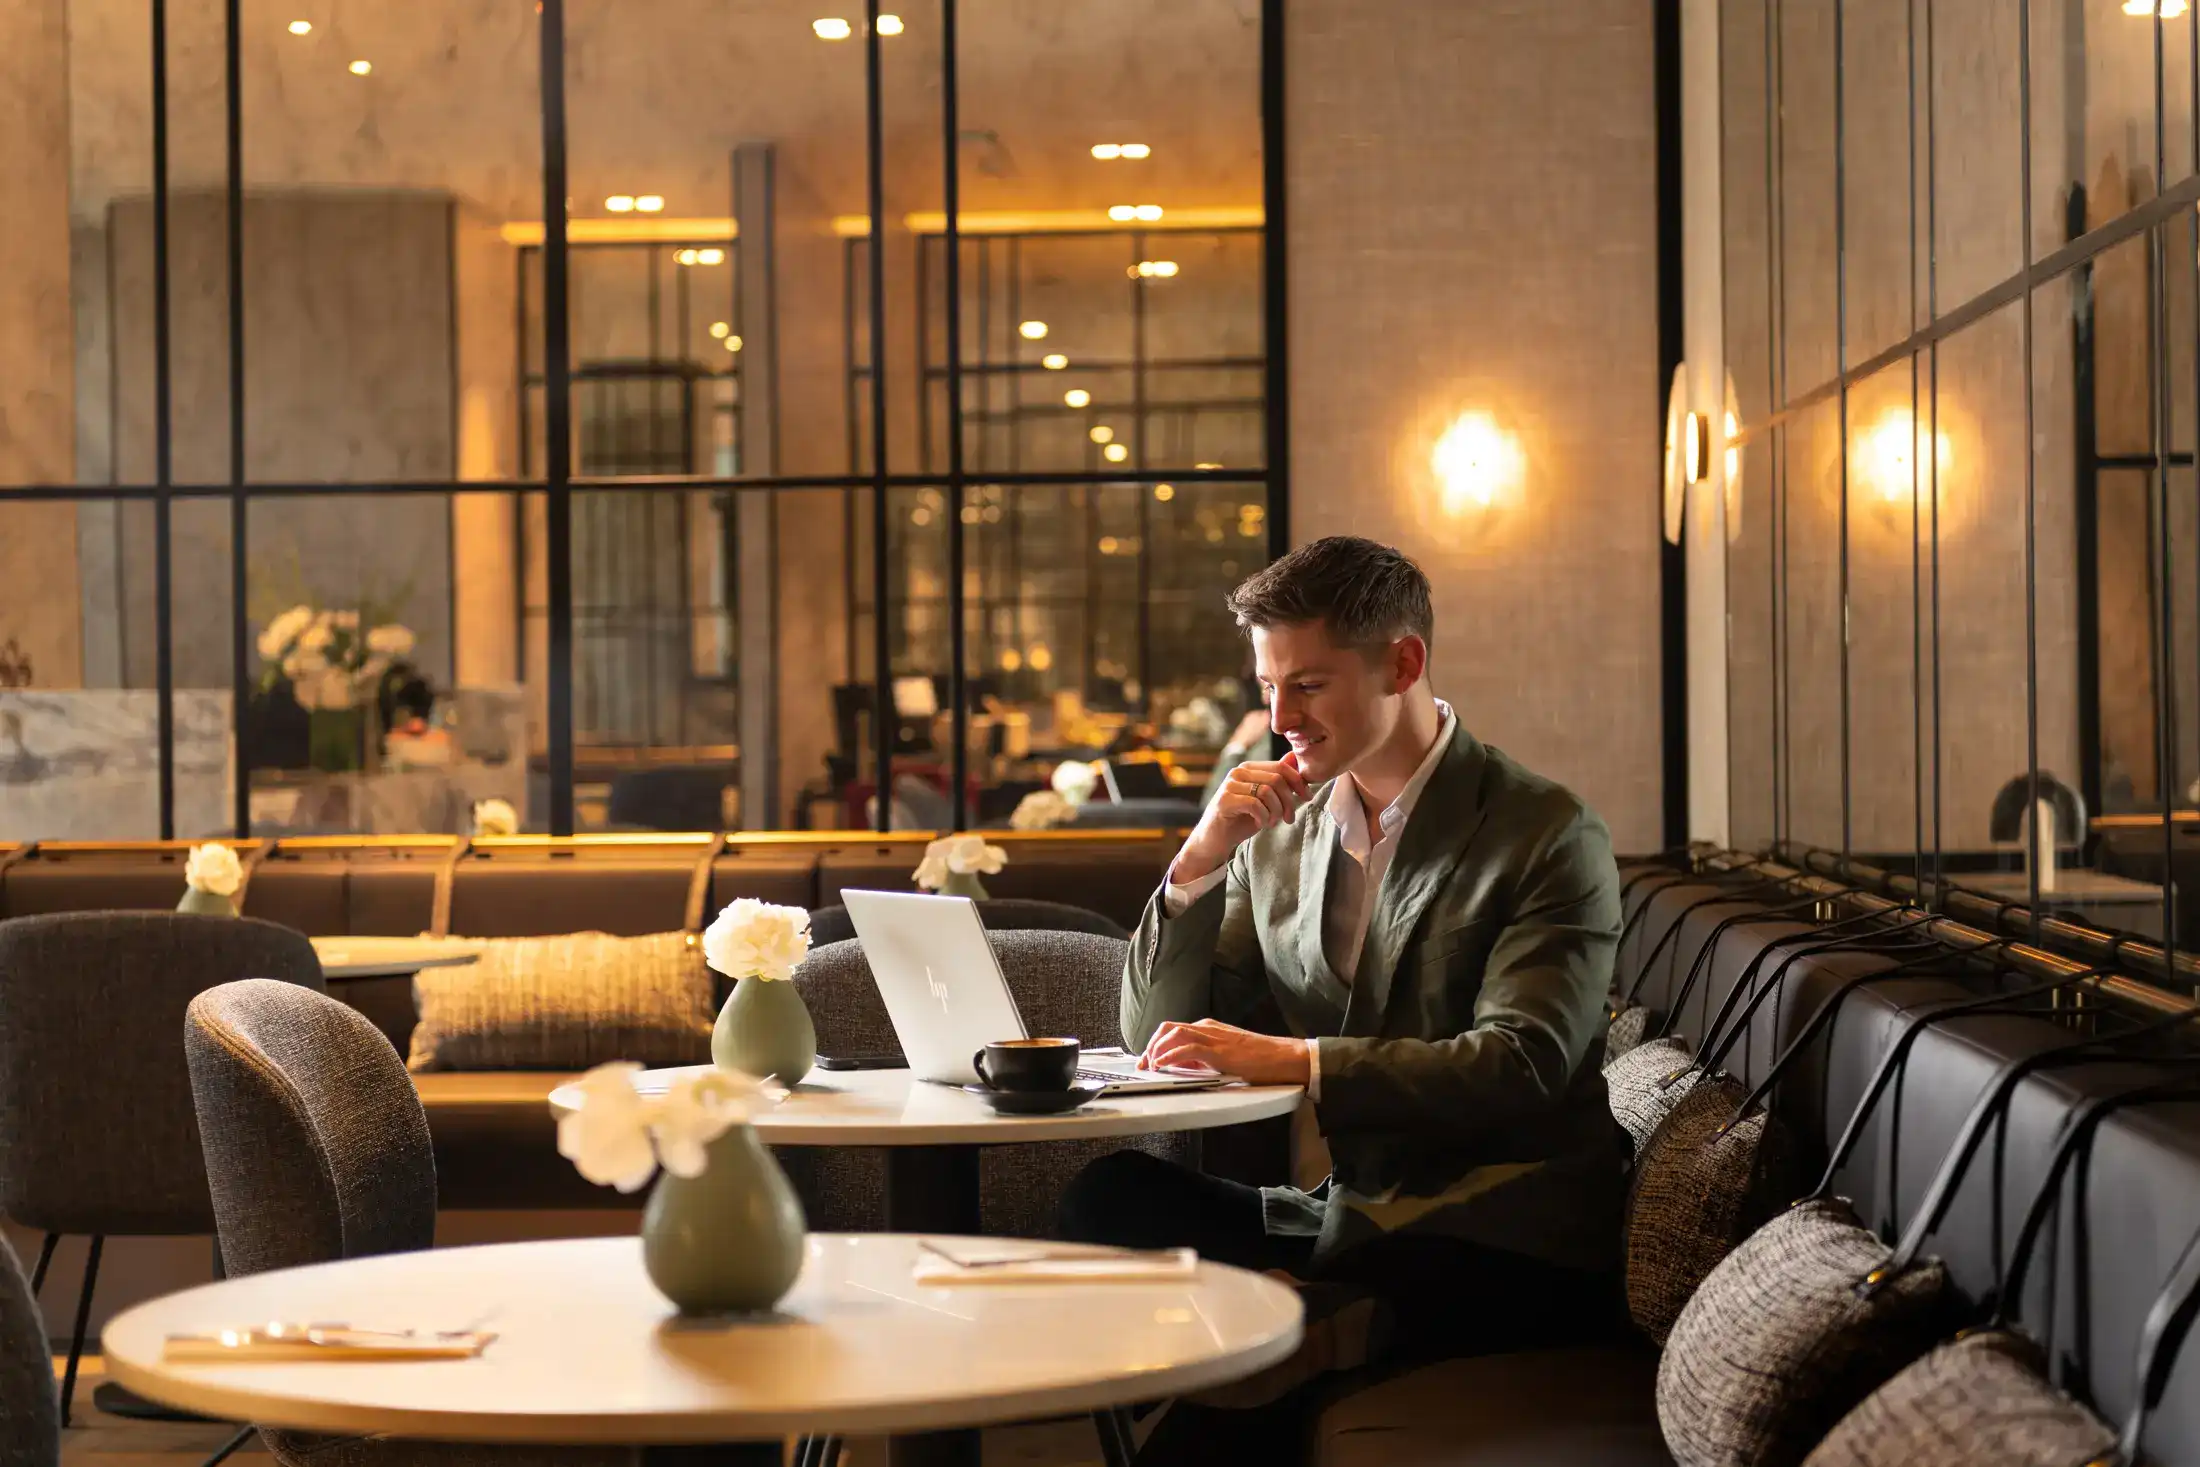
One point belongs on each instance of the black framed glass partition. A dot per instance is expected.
(374, 495)
(1960, 272)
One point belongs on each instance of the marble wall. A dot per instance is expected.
(84, 765)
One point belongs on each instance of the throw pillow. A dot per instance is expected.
(566, 1003)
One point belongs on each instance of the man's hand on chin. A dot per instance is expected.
(1258, 1059)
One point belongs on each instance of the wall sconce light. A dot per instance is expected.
(1733, 425)
(1476, 462)
(1680, 468)
(1890, 453)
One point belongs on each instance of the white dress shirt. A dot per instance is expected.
(1356, 871)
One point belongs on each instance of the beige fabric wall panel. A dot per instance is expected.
(1472, 230)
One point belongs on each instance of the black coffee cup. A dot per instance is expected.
(1028, 1064)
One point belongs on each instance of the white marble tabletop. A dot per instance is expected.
(891, 1108)
(587, 1351)
(386, 957)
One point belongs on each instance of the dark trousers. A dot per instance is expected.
(1448, 1297)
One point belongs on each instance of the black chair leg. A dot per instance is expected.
(83, 1319)
(222, 1452)
(1118, 1444)
(45, 1257)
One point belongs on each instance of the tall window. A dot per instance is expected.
(886, 414)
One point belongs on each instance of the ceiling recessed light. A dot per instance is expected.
(301, 27)
(684, 257)
(1054, 361)
(1164, 492)
(1115, 453)
(1105, 151)
(720, 330)
(620, 203)
(832, 28)
(1101, 433)
(1122, 213)
(733, 343)
(1033, 330)
(1148, 212)
(1077, 397)
(1157, 269)
(650, 203)
(1137, 150)
(889, 25)
(710, 257)
(361, 68)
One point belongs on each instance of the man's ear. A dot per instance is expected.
(1408, 662)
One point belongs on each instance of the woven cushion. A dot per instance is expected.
(1628, 1029)
(1780, 1340)
(1978, 1401)
(1703, 1183)
(1643, 1085)
(565, 1003)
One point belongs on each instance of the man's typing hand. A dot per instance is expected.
(1258, 1059)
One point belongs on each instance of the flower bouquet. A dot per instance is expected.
(953, 863)
(334, 661)
(211, 876)
(764, 1028)
(723, 1229)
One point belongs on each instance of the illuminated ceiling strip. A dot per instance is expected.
(1048, 221)
(526, 232)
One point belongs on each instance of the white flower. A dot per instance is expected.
(753, 939)
(1042, 810)
(391, 640)
(961, 855)
(606, 1136)
(495, 817)
(283, 630)
(319, 636)
(346, 620)
(331, 688)
(213, 868)
(696, 1111)
(1074, 781)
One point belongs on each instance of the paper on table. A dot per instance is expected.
(281, 1342)
(963, 1262)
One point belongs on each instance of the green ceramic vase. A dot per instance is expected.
(729, 1241)
(765, 1030)
(206, 903)
(964, 884)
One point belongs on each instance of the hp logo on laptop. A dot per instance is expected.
(939, 989)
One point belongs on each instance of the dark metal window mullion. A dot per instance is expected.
(885, 720)
(164, 673)
(951, 186)
(557, 417)
(240, 666)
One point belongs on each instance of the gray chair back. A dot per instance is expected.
(30, 1414)
(316, 1144)
(1064, 983)
(96, 1128)
(1000, 914)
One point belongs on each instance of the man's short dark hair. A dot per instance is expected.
(1364, 593)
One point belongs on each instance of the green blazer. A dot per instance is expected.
(1461, 1069)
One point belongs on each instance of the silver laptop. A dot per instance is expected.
(945, 994)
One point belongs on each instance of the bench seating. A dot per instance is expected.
(494, 1138)
(1596, 1407)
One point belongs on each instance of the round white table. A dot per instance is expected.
(347, 958)
(588, 1352)
(932, 1133)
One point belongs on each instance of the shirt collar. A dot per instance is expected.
(1346, 808)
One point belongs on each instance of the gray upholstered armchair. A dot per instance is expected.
(30, 1416)
(80, 993)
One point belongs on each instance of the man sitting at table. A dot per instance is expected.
(1419, 931)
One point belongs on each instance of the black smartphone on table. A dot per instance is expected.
(862, 1062)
